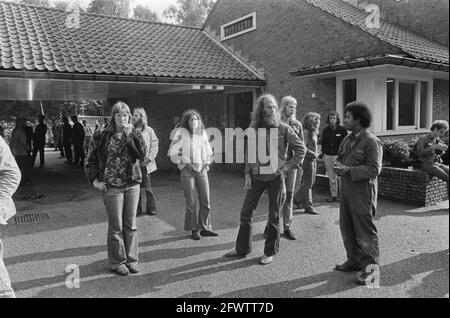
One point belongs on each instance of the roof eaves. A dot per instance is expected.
(371, 61)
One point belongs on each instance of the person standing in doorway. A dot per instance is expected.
(77, 141)
(39, 142)
(67, 140)
(9, 182)
(288, 109)
(332, 137)
(259, 176)
(192, 152)
(113, 168)
(148, 165)
(359, 164)
(311, 125)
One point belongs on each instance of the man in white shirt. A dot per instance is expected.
(9, 182)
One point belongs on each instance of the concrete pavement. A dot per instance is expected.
(414, 246)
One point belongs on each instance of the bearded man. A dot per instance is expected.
(260, 176)
(147, 203)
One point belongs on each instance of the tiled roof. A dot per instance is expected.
(409, 42)
(37, 39)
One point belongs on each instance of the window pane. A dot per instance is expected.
(406, 106)
(423, 104)
(390, 87)
(349, 92)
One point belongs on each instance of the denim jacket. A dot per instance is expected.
(286, 137)
(98, 154)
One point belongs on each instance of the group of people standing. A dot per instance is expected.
(122, 157)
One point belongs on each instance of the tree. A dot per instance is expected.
(189, 12)
(145, 13)
(120, 8)
(40, 3)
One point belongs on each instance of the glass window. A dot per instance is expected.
(390, 103)
(423, 105)
(349, 91)
(406, 104)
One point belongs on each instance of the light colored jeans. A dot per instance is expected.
(121, 206)
(6, 290)
(194, 183)
(288, 204)
(332, 176)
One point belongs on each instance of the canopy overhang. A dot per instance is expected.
(19, 85)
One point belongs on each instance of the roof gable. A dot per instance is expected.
(37, 39)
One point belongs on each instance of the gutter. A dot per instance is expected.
(371, 62)
(126, 78)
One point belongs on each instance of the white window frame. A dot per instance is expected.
(417, 99)
(222, 28)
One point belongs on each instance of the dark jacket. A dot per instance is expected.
(332, 139)
(98, 154)
(428, 156)
(285, 137)
(78, 134)
(39, 133)
(298, 129)
(67, 133)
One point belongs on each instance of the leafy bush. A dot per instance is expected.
(396, 152)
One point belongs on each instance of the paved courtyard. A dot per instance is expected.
(414, 246)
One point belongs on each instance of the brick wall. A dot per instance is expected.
(410, 186)
(415, 186)
(297, 35)
(440, 99)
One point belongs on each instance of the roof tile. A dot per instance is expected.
(409, 42)
(37, 38)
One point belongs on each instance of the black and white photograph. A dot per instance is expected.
(223, 156)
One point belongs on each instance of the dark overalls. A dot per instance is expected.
(359, 197)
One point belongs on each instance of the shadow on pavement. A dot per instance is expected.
(433, 285)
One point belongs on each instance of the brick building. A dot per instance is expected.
(326, 54)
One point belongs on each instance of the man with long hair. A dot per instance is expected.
(358, 164)
(261, 176)
(332, 137)
(148, 165)
(288, 110)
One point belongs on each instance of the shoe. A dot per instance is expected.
(289, 235)
(311, 211)
(208, 233)
(362, 279)
(196, 235)
(347, 267)
(333, 199)
(123, 271)
(41, 167)
(152, 212)
(134, 269)
(266, 260)
(235, 253)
